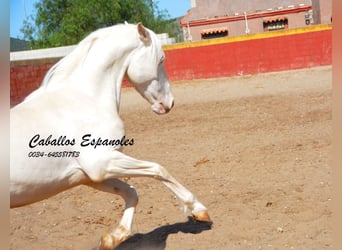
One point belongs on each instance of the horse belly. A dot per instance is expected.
(27, 187)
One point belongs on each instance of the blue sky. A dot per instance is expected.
(21, 8)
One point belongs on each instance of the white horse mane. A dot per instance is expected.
(66, 65)
(64, 68)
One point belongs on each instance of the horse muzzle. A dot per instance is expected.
(161, 108)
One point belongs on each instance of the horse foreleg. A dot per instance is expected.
(128, 193)
(121, 165)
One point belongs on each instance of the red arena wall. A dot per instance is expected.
(243, 55)
(26, 78)
(252, 54)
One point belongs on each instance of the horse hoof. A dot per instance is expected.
(108, 242)
(202, 216)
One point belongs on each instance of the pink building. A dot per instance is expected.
(219, 18)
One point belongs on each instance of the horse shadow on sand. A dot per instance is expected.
(156, 239)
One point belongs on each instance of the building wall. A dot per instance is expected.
(325, 11)
(230, 13)
(253, 54)
(212, 8)
(255, 25)
(316, 5)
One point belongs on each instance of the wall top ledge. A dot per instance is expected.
(50, 53)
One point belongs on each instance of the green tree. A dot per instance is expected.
(66, 22)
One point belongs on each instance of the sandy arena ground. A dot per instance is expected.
(256, 150)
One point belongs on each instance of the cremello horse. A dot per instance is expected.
(54, 129)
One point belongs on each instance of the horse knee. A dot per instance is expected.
(133, 195)
(129, 194)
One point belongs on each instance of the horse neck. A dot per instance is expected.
(106, 81)
(101, 79)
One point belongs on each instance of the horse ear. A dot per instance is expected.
(144, 35)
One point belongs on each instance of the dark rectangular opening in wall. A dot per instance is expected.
(214, 33)
(275, 23)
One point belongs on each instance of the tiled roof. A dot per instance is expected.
(275, 19)
(214, 31)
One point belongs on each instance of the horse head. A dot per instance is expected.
(147, 73)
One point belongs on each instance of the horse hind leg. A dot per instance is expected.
(123, 230)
